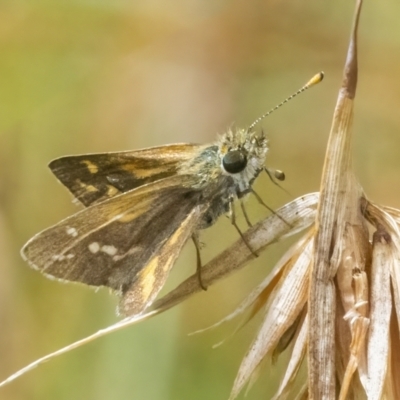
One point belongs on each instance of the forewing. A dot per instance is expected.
(111, 243)
(93, 178)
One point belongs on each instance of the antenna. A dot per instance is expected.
(313, 81)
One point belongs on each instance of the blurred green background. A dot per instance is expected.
(94, 76)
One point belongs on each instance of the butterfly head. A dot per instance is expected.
(242, 153)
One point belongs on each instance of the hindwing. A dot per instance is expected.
(93, 178)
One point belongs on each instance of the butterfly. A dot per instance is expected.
(141, 207)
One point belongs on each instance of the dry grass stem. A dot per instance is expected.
(298, 214)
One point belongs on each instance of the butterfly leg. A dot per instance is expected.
(260, 200)
(233, 221)
(246, 217)
(196, 242)
(276, 174)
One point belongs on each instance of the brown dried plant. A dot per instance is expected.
(333, 300)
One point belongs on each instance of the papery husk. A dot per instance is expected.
(285, 306)
(338, 209)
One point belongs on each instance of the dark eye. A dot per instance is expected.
(234, 161)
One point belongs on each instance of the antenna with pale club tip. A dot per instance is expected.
(313, 81)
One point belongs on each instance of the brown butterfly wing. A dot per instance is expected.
(93, 178)
(150, 280)
(127, 243)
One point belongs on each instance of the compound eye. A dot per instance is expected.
(234, 161)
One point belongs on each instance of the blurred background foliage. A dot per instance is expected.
(95, 76)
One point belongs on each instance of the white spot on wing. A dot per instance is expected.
(72, 231)
(131, 251)
(61, 257)
(94, 247)
(109, 249)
